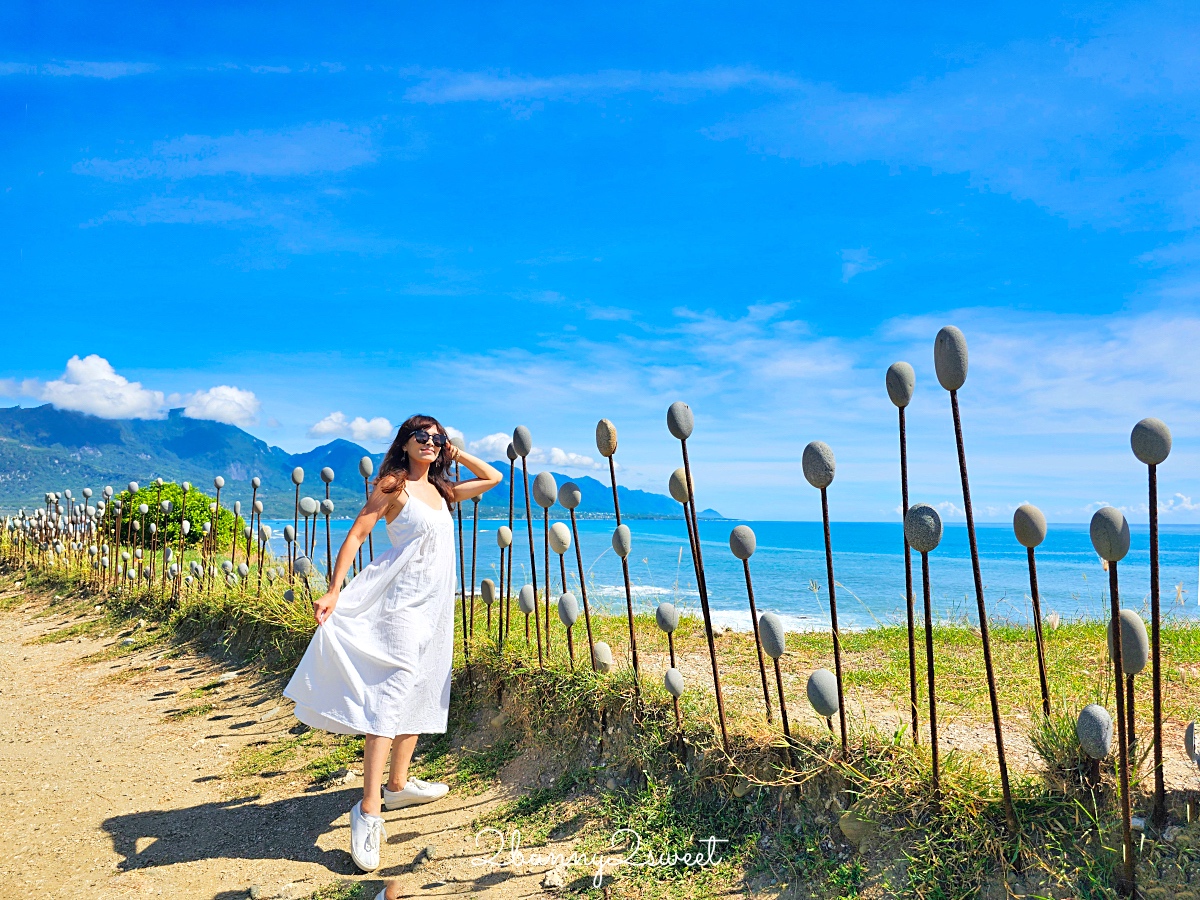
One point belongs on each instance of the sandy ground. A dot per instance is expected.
(103, 795)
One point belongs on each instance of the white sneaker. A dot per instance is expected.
(382, 895)
(416, 791)
(366, 836)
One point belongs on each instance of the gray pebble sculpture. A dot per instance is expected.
(678, 486)
(560, 538)
(289, 533)
(1029, 525)
(297, 475)
(622, 540)
(256, 482)
(522, 441)
(264, 533)
(568, 609)
(1135, 644)
(327, 507)
(545, 491)
(680, 421)
(308, 506)
(770, 627)
(1110, 534)
(327, 475)
(901, 383)
(303, 566)
(525, 599)
(511, 452)
(366, 467)
(218, 482)
(822, 692)
(569, 495)
(742, 542)
(606, 438)
(1189, 743)
(818, 464)
(1094, 729)
(503, 536)
(950, 358)
(602, 657)
(673, 682)
(487, 588)
(457, 441)
(667, 617)
(923, 527)
(1151, 441)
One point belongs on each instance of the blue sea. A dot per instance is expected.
(789, 575)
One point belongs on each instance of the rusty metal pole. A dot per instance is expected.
(474, 547)
(742, 543)
(933, 736)
(1127, 884)
(950, 362)
(512, 456)
(1151, 443)
(680, 422)
(587, 615)
(523, 444)
(901, 383)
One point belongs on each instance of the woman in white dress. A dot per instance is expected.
(379, 662)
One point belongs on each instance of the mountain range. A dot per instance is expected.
(47, 449)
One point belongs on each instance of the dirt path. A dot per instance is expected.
(103, 793)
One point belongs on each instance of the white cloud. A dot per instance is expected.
(457, 87)
(83, 69)
(559, 457)
(336, 424)
(856, 261)
(223, 403)
(91, 385)
(329, 147)
(494, 446)
(453, 432)
(177, 210)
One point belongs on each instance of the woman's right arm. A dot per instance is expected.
(368, 517)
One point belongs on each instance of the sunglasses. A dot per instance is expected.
(424, 437)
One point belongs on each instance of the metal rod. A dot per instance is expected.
(296, 534)
(546, 562)
(783, 707)
(370, 538)
(671, 648)
(474, 546)
(1131, 726)
(637, 681)
(1009, 814)
(762, 667)
(1159, 814)
(587, 616)
(933, 738)
(532, 562)
(908, 586)
(1037, 631)
(1126, 883)
(462, 574)
(508, 580)
(702, 586)
(837, 641)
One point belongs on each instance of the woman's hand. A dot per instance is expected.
(452, 451)
(323, 607)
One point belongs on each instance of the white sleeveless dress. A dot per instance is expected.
(380, 664)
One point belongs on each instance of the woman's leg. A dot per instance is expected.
(375, 753)
(402, 752)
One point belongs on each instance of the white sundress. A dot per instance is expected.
(380, 664)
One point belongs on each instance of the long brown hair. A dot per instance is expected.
(395, 461)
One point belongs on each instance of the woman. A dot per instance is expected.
(379, 662)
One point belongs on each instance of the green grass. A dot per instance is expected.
(200, 709)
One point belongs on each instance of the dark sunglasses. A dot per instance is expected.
(424, 437)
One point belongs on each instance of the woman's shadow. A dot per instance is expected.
(235, 829)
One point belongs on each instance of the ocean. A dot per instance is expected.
(788, 570)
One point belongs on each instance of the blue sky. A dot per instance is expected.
(312, 222)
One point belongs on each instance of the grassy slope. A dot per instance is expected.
(678, 787)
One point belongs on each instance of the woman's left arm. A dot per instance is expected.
(486, 476)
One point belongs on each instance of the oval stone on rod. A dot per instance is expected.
(950, 358)
(901, 382)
